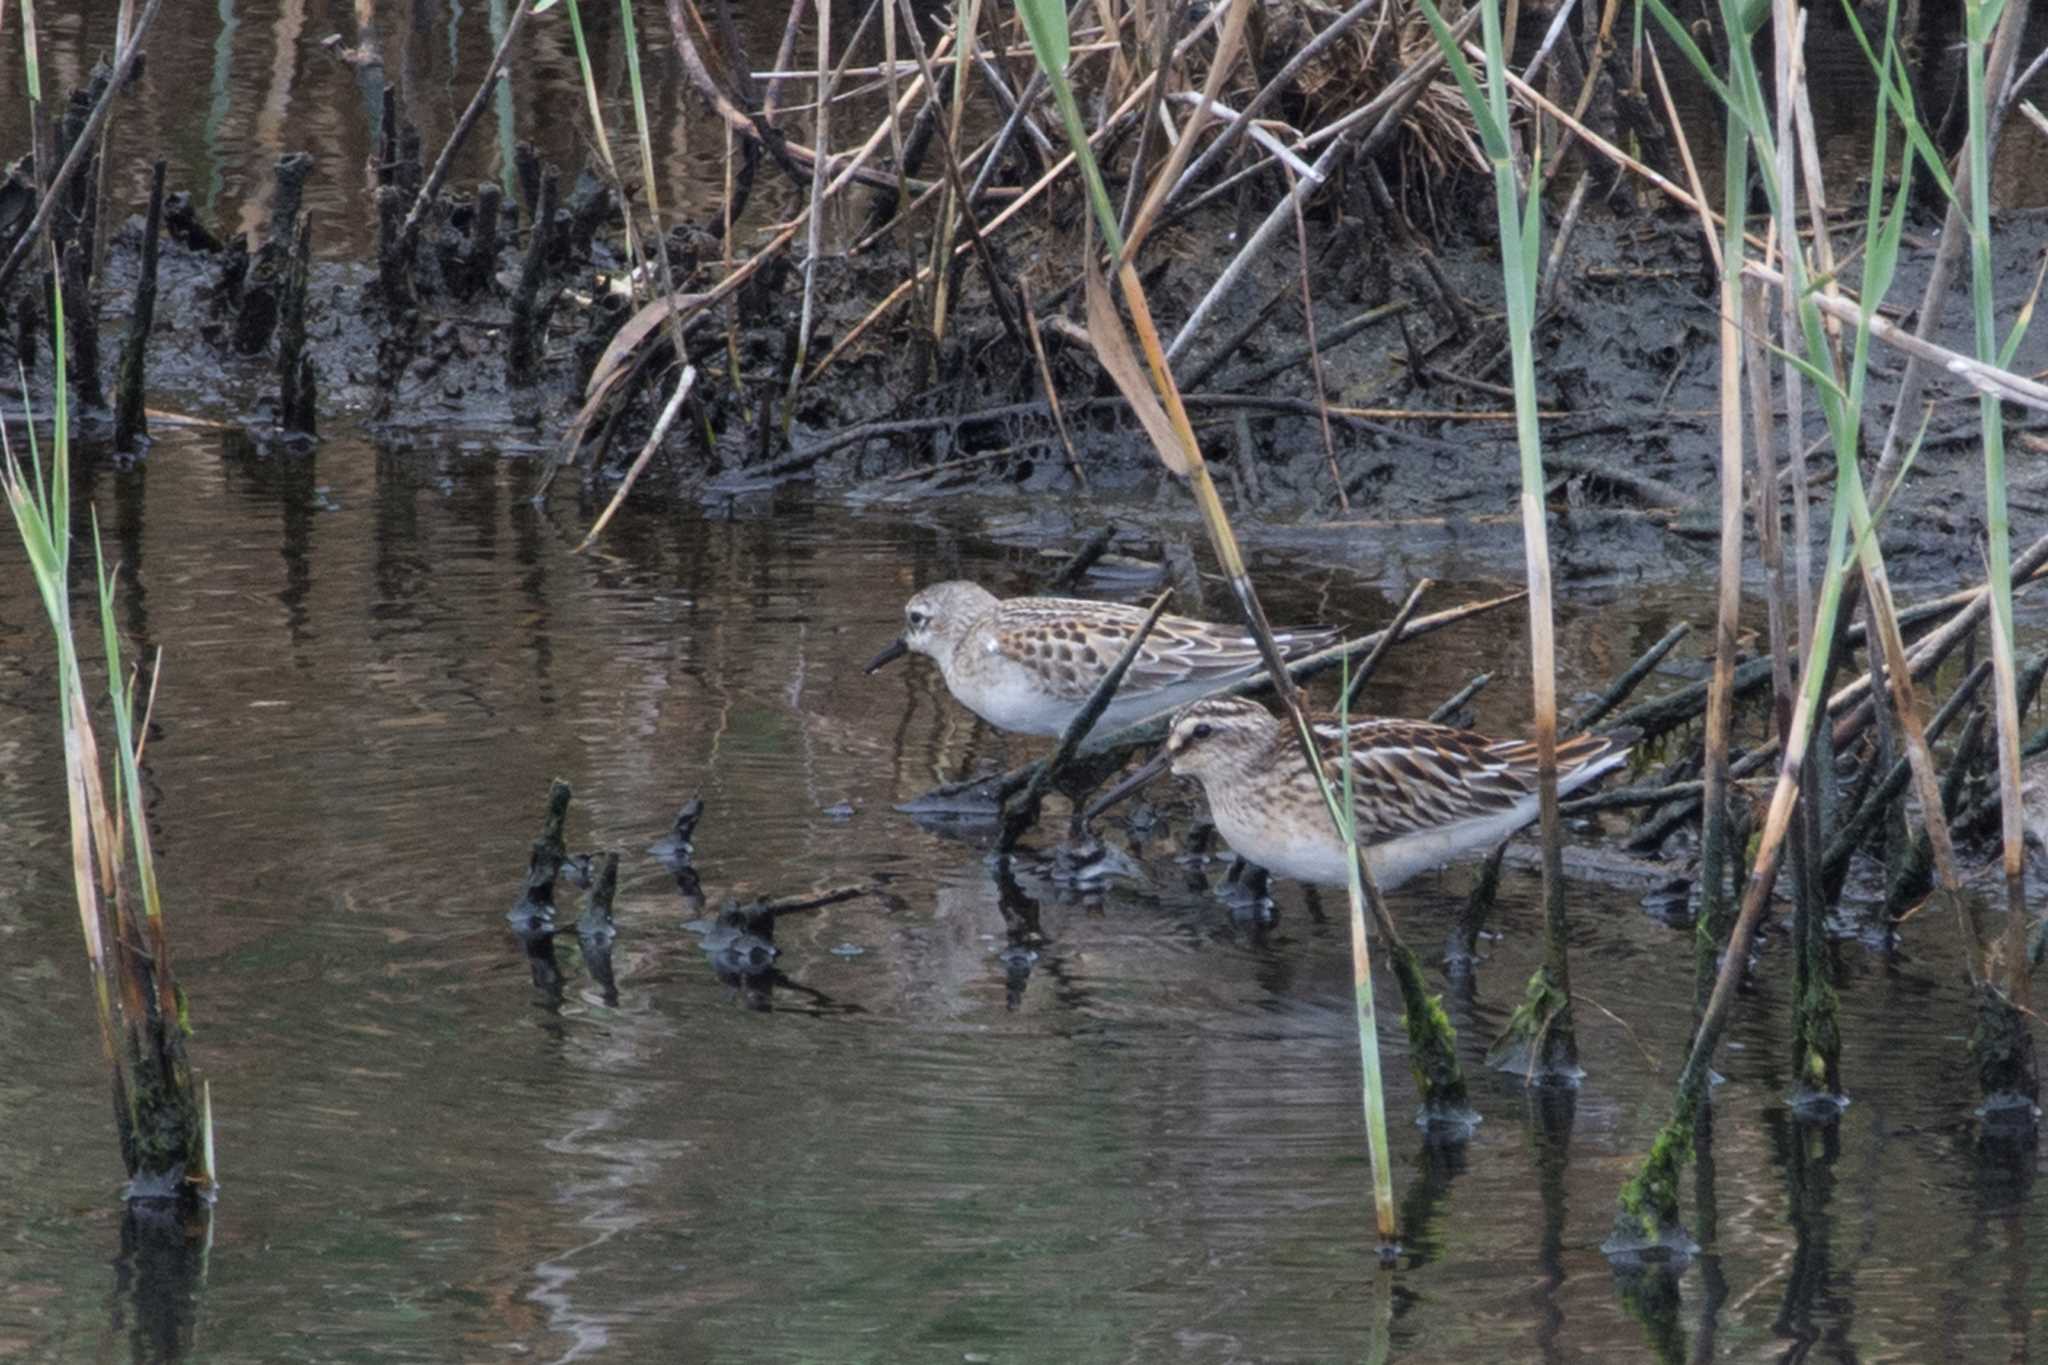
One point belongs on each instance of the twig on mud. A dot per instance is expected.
(815, 242)
(1651, 492)
(1987, 379)
(1315, 356)
(82, 147)
(1553, 264)
(1338, 336)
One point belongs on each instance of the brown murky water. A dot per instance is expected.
(1145, 1146)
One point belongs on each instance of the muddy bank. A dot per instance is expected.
(1629, 372)
(468, 325)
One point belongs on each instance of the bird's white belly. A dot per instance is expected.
(1012, 697)
(1310, 851)
(1320, 858)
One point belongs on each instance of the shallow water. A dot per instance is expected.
(1147, 1147)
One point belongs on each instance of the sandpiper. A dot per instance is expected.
(1424, 794)
(1028, 664)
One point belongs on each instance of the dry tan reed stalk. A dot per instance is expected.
(2002, 384)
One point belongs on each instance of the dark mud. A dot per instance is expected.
(489, 339)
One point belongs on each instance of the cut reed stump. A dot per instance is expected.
(82, 325)
(595, 931)
(530, 307)
(533, 918)
(535, 911)
(131, 425)
(296, 376)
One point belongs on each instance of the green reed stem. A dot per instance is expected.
(1435, 1061)
(1374, 1089)
(165, 1138)
(1547, 1027)
(1980, 21)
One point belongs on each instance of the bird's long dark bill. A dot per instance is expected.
(1155, 766)
(896, 650)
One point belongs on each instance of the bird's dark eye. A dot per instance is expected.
(1202, 731)
(917, 620)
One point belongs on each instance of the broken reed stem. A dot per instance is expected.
(1022, 810)
(1052, 392)
(1984, 87)
(1543, 1024)
(684, 383)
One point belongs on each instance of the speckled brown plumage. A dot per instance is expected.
(1029, 663)
(1422, 794)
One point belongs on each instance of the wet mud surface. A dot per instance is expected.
(1627, 369)
(480, 335)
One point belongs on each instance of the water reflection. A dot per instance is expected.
(1812, 1314)
(160, 1280)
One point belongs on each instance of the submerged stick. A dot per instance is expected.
(131, 422)
(1618, 691)
(1457, 700)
